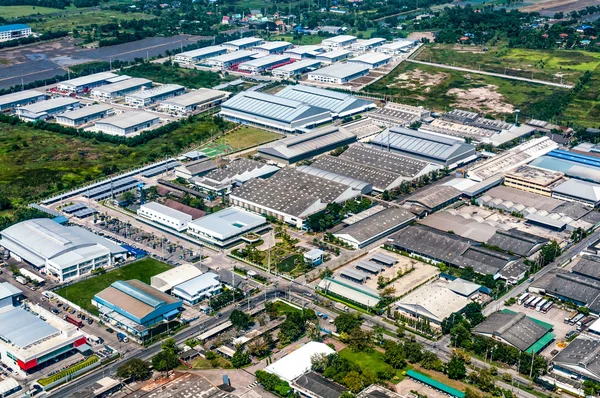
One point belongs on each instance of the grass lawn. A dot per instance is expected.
(284, 309)
(442, 89)
(585, 108)
(304, 39)
(37, 164)
(82, 293)
(289, 264)
(84, 19)
(217, 363)
(247, 137)
(547, 65)
(372, 360)
(190, 78)
(23, 11)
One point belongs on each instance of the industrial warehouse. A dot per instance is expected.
(155, 94)
(20, 98)
(196, 100)
(226, 227)
(194, 56)
(84, 115)
(120, 89)
(259, 65)
(43, 110)
(318, 141)
(296, 68)
(242, 44)
(135, 306)
(127, 123)
(274, 112)
(66, 252)
(338, 74)
(87, 83)
(371, 60)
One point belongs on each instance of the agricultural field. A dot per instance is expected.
(36, 163)
(190, 78)
(82, 293)
(442, 89)
(83, 19)
(585, 108)
(549, 65)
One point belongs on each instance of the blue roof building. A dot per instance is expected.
(135, 306)
(14, 31)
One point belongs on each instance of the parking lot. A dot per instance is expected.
(556, 317)
(406, 386)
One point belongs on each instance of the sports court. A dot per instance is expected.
(216, 149)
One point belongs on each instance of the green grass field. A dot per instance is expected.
(242, 138)
(37, 164)
(442, 89)
(23, 11)
(549, 65)
(303, 41)
(372, 360)
(84, 19)
(82, 293)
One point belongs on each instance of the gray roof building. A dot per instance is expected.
(84, 114)
(375, 227)
(196, 99)
(339, 104)
(273, 112)
(225, 226)
(338, 73)
(584, 192)
(294, 149)
(518, 242)
(316, 384)
(581, 357)
(433, 198)
(433, 148)
(582, 290)
(19, 98)
(236, 172)
(127, 122)
(515, 329)
(291, 195)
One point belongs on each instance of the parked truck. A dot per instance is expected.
(576, 319)
(341, 307)
(571, 316)
(73, 321)
(122, 337)
(21, 279)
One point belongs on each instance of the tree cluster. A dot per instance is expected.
(295, 325)
(168, 358)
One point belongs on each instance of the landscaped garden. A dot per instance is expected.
(68, 371)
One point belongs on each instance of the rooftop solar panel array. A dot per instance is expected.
(160, 169)
(106, 187)
(115, 191)
(354, 275)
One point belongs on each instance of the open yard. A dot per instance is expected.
(242, 138)
(23, 11)
(549, 65)
(36, 163)
(81, 293)
(84, 19)
(442, 89)
(372, 360)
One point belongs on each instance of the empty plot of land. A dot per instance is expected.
(550, 7)
(406, 386)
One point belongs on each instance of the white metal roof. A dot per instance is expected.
(7, 385)
(122, 85)
(89, 79)
(243, 41)
(19, 96)
(44, 106)
(166, 211)
(265, 61)
(195, 285)
(340, 71)
(339, 39)
(369, 42)
(334, 54)
(156, 91)
(85, 111)
(40, 239)
(228, 222)
(128, 119)
(580, 189)
(304, 49)
(8, 290)
(371, 58)
(175, 276)
(305, 63)
(22, 328)
(195, 97)
(298, 362)
(232, 56)
(334, 101)
(272, 45)
(201, 51)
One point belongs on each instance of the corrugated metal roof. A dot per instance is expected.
(201, 52)
(89, 79)
(44, 106)
(336, 102)
(85, 111)
(22, 328)
(19, 96)
(199, 283)
(122, 85)
(272, 107)
(340, 71)
(128, 119)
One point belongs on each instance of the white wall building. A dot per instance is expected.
(367, 45)
(120, 89)
(164, 215)
(194, 56)
(15, 31)
(198, 289)
(127, 123)
(338, 42)
(155, 94)
(225, 227)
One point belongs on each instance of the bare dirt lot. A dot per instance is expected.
(407, 385)
(481, 98)
(414, 272)
(419, 35)
(426, 80)
(549, 7)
